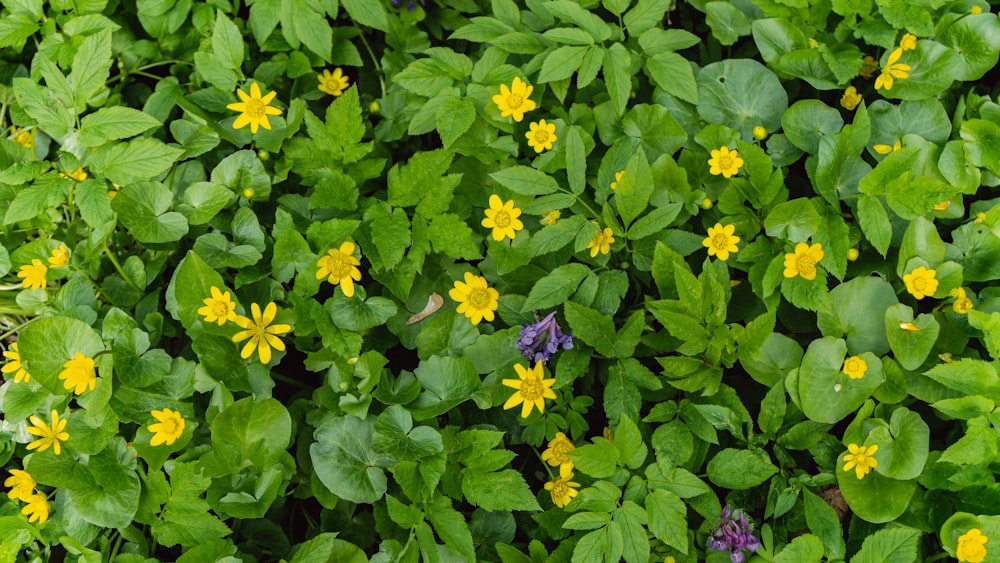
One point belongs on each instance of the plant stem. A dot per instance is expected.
(119, 268)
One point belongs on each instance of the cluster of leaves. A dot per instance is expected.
(376, 431)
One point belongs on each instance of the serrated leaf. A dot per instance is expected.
(454, 117)
(556, 287)
(499, 490)
(91, 66)
(113, 123)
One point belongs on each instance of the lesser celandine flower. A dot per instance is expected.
(78, 374)
(971, 546)
(532, 389)
(852, 254)
(962, 303)
(260, 331)
(618, 178)
(855, 367)
(218, 308)
(333, 83)
(550, 217)
(601, 243)
(892, 70)
(502, 217)
(514, 101)
(562, 488)
(14, 365)
(541, 136)
(60, 257)
(725, 162)
(860, 459)
(908, 42)
(48, 435)
(37, 508)
(850, 99)
(168, 427)
(555, 453)
(920, 282)
(721, 241)
(759, 133)
(886, 149)
(33, 274)
(253, 109)
(475, 299)
(803, 261)
(942, 205)
(340, 267)
(24, 137)
(20, 483)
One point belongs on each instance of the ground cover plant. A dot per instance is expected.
(497, 280)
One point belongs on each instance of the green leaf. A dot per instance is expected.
(371, 14)
(452, 237)
(740, 469)
(673, 73)
(203, 201)
(903, 446)
(803, 549)
(911, 347)
(113, 123)
(185, 519)
(114, 499)
(617, 62)
(968, 376)
(808, 121)
(556, 287)
(628, 441)
(396, 436)
(645, 15)
(978, 444)
(189, 287)
(576, 161)
(451, 527)
(34, 199)
(630, 519)
(126, 163)
(15, 29)
(874, 223)
(794, 220)
(653, 129)
(53, 117)
(823, 521)
(91, 67)
(255, 431)
(48, 343)
(570, 11)
(634, 189)
(353, 313)
(891, 545)
(806, 294)
(525, 180)
(591, 547)
(742, 94)
(142, 209)
(311, 27)
(346, 462)
(447, 383)
(668, 519)
(561, 63)
(728, 23)
(599, 459)
(874, 498)
(227, 42)
(857, 312)
(421, 177)
(500, 490)
(554, 237)
(326, 547)
(826, 393)
(454, 117)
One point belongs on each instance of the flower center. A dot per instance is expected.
(541, 136)
(531, 389)
(807, 265)
(560, 489)
(559, 451)
(920, 283)
(169, 426)
(514, 101)
(720, 241)
(337, 265)
(725, 162)
(255, 108)
(502, 219)
(852, 365)
(219, 309)
(479, 298)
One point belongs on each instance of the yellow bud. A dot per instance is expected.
(976, 10)
(706, 203)
(375, 107)
(248, 193)
(759, 133)
(852, 254)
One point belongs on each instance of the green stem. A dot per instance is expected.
(290, 381)
(119, 268)
(17, 328)
(378, 67)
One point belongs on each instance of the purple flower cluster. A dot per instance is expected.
(409, 5)
(540, 340)
(734, 533)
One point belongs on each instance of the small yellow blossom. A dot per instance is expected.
(852, 254)
(218, 308)
(261, 333)
(601, 243)
(333, 83)
(962, 302)
(618, 178)
(724, 162)
(532, 389)
(980, 217)
(550, 218)
(79, 174)
(167, 429)
(971, 546)
(340, 267)
(920, 282)
(886, 149)
(909, 327)
(759, 133)
(78, 374)
(707, 204)
(48, 435)
(24, 137)
(475, 299)
(254, 109)
(868, 66)
(541, 136)
(976, 10)
(942, 206)
(33, 274)
(502, 218)
(892, 70)
(908, 42)
(855, 367)
(721, 241)
(37, 508)
(851, 98)
(861, 459)
(21, 485)
(375, 107)
(14, 365)
(803, 261)
(562, 489)
(555, 453)
(514, 101)
(60, 257)
(813, 43)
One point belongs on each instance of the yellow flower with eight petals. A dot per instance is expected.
(601, 243)
(892, 70)
(340, 267)
(803, 261)
(36, 509)
(860, 459)
(502, 218)
(33, 274)
(851, 98)
(475, 299)
(721, 241)
(562, 489)
(218, 308)
(920, 282)
(333, 83)
(79, 374)
(555, 453)
(725, 162)
(855, 367)
(21, 484)
(532, 389)
(48, 435)
(260, 331)
(14, 365)
(254, 109)
(514, 101)
(971, 546)
(60, 257)
(541, 136)
(167, 429)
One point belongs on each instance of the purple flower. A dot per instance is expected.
(409, 5)
(734, 533)
(539, 341)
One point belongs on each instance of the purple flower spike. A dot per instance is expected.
(539, 341)
(734, 533)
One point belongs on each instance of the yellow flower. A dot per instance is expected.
(333, 83)
(909, 42)
(24, 137)
(113, 192)
(851, 98)
(79, 374)
(759, 133)
(502, 218)
(855, 367)
(720, 241)
(886, 149)
(892, 70)
(724, 162)
(971, 546)
(551, 217)
(980, 217)
(852, 254)
(48, 435)
(541, 136)
(976, 10)
(555, 454)
(21, 484)
(532, 389)
(475, 299)
(33, 274)
(218, 308)
(14, 365)
(868, 66)
(942, 206)
(860, 459)
(562, 488)
(254, 109)
(60, 257)
(920, 282)
(803, 261)
(909, 327)
(618, 178)
(36, 509)
(79, 174)
(813, 43)
(339, 266)
(168, 428)
(707, 204)
(261, 332)
(601, 243)
(514, 100)
(962, 303)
